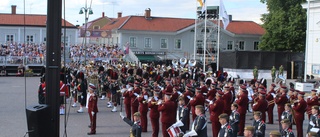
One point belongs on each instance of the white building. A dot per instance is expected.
(313, 41)
(30, 28)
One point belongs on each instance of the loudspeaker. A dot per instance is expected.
(38, 118)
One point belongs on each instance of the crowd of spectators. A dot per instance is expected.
(35, 53)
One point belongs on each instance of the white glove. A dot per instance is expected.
(145, 97)
(156, 98)
(149, 99)
(311, 123)
(191, 98)
(274, 95)
(121, 115)
(159, 103)
(211, 102)
(208, 100)
(309, 96)
(92, 113)
(81, 97)
(188, 97)
(292, 105)
(205, 94)
(162, 88)
(179, 93)
(137, 95)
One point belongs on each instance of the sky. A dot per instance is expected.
(248, 10)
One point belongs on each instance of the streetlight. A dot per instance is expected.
(86, 15)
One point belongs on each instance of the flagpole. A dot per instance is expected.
(307, 45)
(205, 37)
(218, 42)
(195, 33)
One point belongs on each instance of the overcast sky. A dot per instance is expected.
(240, 9)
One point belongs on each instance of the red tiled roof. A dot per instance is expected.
(115, 23)
(245, 27)
(31, 20)
(162, 24)
(157, 24)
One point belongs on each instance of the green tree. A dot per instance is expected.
(285, 26)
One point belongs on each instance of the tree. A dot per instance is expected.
(285, 26)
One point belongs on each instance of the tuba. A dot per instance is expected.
(192, 62)
(145, 66)
(183, 61)
(175, 63)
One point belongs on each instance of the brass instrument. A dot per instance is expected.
(144, 66)
(192, 62)
(175, 63)
(183, 61)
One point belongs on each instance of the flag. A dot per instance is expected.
(126, 51)
(224, 15)
(202, 4)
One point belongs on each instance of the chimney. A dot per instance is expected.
(119, 14)
(13, 9)
(102, 14)
(147, 14)
(230, 18)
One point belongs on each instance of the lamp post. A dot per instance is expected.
(86, 11)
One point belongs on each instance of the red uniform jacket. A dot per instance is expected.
(92, 105)
(242, 103)
(127, 98)
(300, 109)
(186, 99)
(216, 110)
(198, 100)
(154, 113)
(204, 89)
(269, 97)
(134, 101)
(167, 110)
(281, 101)
(64, 90)
(169, 89)
(227, 100)
(212, 94)
(143, 102)
(311, 102)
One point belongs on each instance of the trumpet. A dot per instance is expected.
(271, 102)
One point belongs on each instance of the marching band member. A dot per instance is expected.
(299, 108)
(281, 99)
(127, 100)
(312, 101)
(182, 114)
(200, 122)
(134, 94)
(215, 112)
(227, 99)
(225, 130)
(234, 119)
(154, 113)
(259, 125)
(286, 131)
(64, 92)
(314, 121)
(166, 109)
(270, 100)
(261, 105)
(92, 108)
(187, 95)
(143, 107)
(135, 130)
(197, 100)
(82, 89)
(242, 102)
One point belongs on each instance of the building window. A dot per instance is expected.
(133, 41)
(256, 45)
(29, 39)
(147, 42)
(164, 43)
(96, 27)
(230, 45)
(10, 38)
(177, 44)
(241, 45)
